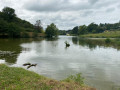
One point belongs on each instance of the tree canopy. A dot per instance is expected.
(51, 30)
(8, 14)
(38, 26)
(12, 26)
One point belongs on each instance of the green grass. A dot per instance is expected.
(76, 78)
(13, 78)
(109, 34)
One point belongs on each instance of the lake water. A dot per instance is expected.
(98, 63)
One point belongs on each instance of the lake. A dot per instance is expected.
(99, 63)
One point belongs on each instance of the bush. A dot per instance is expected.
(51, 31)
(35, 34)
(13, 30)
(25, 35)
(107, 40)
(76, 78)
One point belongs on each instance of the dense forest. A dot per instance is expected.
(91, 28)
(12, 26)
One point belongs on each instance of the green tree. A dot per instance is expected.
(38, 26)
(92, 28)
(13, 31)
(62, 32)
(99, 29)
(82, 30)
(3, 27)
(75, 30)
(51, 31)
(8, 14)
(12, 26)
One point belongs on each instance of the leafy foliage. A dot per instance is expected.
(14, 30)
(51, 31)
(75, 30)
(82, 30)
(107, 40)
(93, 28)
(76, 78)
(38, 26)
(62, 32)
(12, 26)
(8, 14)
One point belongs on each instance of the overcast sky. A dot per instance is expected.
(66, 13)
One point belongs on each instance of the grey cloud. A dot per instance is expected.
(118, 6)
(38, 6)
(66, 5)
(93, 1)
(87, 13)
(110, 10)
(105, 4)
(61, 5)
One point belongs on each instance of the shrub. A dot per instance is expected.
(35, 34)
(76, 78)
(107, 40)
(25, 35)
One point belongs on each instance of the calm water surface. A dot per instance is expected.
(98, 63)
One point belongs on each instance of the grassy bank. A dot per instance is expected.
(12, 78)
(107, 34)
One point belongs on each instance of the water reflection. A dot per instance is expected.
(12, 45)
(93, 43)
(98, 62)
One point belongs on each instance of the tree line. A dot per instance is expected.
(91, 28)
(12, 26)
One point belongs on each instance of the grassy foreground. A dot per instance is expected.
(109, 34)
(12, 78)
